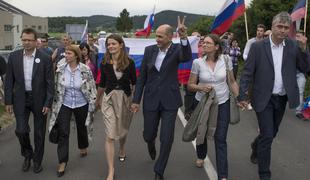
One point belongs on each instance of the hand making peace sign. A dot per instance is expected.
(182, 29)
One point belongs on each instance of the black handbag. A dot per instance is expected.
(54, 136)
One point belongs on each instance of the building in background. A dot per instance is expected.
(75, 31)
(13, 21)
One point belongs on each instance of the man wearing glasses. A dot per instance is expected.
(29, 87)
(44, 45)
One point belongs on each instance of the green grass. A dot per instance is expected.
(56, 35)
(6, 119)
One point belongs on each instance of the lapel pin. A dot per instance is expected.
(37, 60)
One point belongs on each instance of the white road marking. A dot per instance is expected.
(208, 166)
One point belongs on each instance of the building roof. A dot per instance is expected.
(12, 9)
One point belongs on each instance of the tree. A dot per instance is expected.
(124, 22)
(203, 25)
(260, 12)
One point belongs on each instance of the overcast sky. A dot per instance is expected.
(114, 7)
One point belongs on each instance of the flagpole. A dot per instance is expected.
(246, 25)
(305, 21)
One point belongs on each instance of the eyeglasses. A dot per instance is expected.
(28, 40)
(209, 43)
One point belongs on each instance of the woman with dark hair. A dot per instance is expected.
(234, 53)
(86, 58)
(118, 78)
(75, 93)
(211, 72)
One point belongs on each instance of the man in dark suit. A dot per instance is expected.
(29, 87)
(2, 66)
(271, 67)
(159, 80)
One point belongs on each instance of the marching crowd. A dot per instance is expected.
(61, 85)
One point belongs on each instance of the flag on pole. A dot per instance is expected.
(229, 12)
(298, 12)
(240, 9)
(84, 36)
(148, 25)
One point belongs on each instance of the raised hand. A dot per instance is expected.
(182, 29)
(302, 41)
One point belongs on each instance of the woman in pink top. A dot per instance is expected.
(86, 59)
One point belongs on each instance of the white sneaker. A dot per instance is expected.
(249, 107)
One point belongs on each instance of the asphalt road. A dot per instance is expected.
(290, 154)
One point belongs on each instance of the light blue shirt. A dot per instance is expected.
(73, 97)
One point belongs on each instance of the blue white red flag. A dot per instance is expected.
(299, 10)
(84, 36)
(148, 25)
(229, 12)
(136, 48)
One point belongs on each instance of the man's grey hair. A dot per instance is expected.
(282, 17)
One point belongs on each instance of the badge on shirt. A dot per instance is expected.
(37, 60)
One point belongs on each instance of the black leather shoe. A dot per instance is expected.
(26, 164)
(60, 173)
(254, 154)
(152, 150)
(159, 177)
(37, 167)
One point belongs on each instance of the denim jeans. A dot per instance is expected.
(219, 140)
(301, 81)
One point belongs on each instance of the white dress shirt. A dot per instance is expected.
(248, 47)
(160, 58)
(162, 54)
(217, 78)
(28, 67)
(277, 57)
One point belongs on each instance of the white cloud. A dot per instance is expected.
(113, 7)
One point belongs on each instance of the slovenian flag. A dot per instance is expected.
(229, 12)
(136, 46)
(148, 25)
(299, 10)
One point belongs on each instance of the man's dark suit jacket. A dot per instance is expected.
(2, 66)
(161, 86)
(259, 69)
(42, 82)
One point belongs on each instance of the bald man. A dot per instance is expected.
(161, 100)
